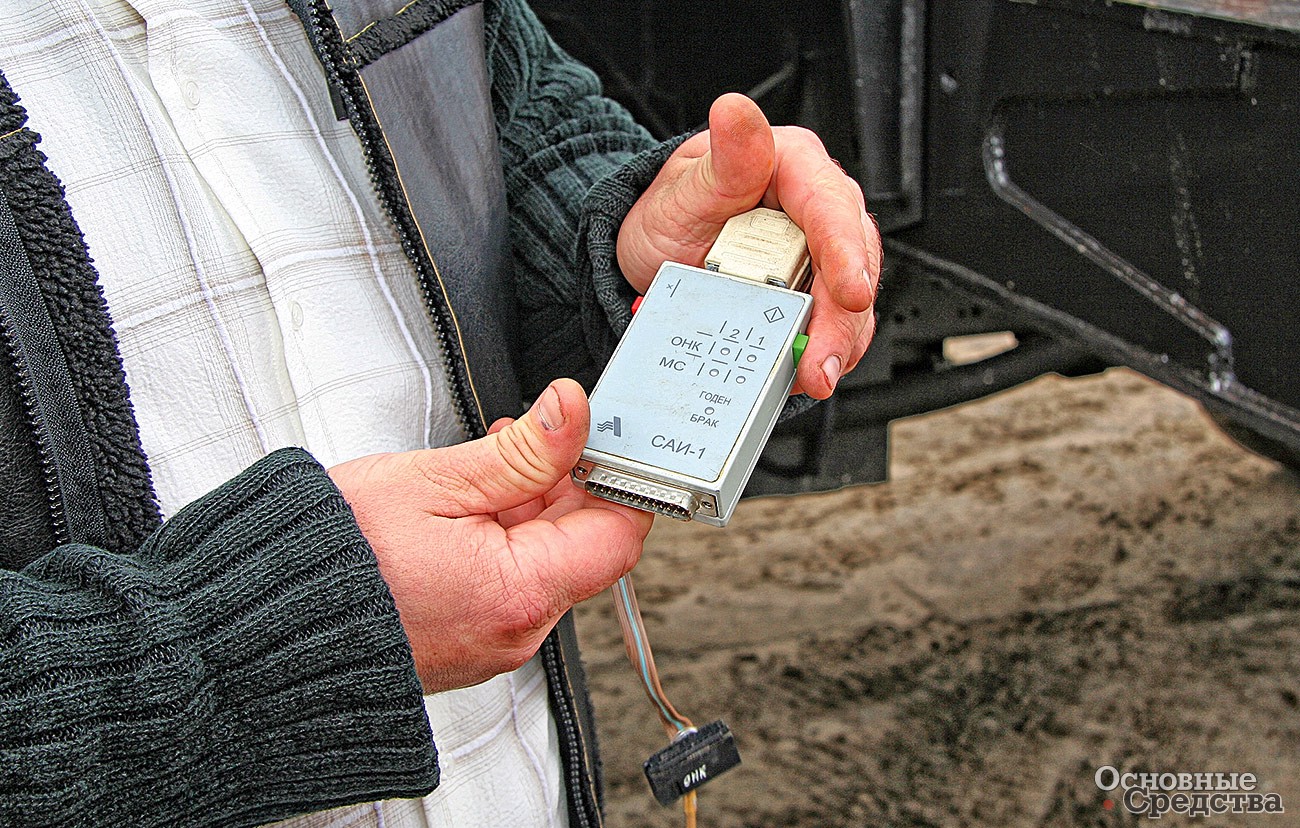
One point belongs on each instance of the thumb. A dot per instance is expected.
(734, 174)
(711, 177)
(515, 464)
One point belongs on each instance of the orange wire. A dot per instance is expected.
(629, 619)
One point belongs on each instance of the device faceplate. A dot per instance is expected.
(694, 387)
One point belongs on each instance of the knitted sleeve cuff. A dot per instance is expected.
(606, 307)
(247, 664)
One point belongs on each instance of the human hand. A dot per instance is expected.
(737, 164)
(486, 544)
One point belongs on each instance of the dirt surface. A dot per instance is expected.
(1074, 574)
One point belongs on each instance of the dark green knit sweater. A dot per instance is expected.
(246, 663)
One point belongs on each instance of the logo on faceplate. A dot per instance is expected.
(773, 314)
(615, 425)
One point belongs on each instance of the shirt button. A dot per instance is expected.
(295, 315)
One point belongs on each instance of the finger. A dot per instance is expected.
(549, 566)
(737, 170)
(575, 499)
(579, 552)
(859, 350)
(863, 342)
(563, 492)
(828, 206)
(837, 338)
(563, 498)
(711, 177)
(520, 513)
(519, 462)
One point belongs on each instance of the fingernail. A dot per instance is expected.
(548, 409)
(831, 368)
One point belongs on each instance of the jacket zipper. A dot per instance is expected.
(579, 785)
(53, 499)
(13, 267)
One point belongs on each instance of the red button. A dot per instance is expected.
(636, 303)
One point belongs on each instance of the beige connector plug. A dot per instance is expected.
(763, 246)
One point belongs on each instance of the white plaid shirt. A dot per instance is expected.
(260, 299)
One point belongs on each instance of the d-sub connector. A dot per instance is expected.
(639, 493)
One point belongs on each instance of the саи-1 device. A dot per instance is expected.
(696, 384)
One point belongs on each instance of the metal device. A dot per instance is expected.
(695, 386)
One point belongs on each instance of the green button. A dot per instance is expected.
(800, 342)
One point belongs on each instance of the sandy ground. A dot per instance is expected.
(1073, 574)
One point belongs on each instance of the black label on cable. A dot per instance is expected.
(690, 761)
